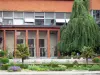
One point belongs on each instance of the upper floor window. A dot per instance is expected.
(8, 14)
(32, 18)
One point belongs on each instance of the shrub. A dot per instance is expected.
(10, 56)
(14, 68)
(37, 68)
(96, 60)
(4, 60)
(75, 62)
(95, 68)
(2, 53)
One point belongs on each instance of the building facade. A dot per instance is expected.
(36, 23)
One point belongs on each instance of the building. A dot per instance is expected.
(36, 23)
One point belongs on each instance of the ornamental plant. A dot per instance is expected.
(14, 68)
(22, 52)
(80, 31)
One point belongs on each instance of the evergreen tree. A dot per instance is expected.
(80, 31)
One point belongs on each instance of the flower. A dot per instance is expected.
(14, 68)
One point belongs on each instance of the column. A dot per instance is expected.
(4, 39)
(15, 42)
(48, 43)
(37, 44)
(58, 38)
(26, 37)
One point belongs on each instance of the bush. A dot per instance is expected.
(5, 60)
(75, 62)
(96, 60)
(37, 68)
(95, 68)
(2, 53)
(14, 68)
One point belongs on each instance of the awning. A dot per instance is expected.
(62, 20)
(29, 20)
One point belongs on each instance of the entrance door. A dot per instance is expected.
(42, 48)
(31, 47)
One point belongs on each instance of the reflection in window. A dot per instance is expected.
(7, 21)
(8, 14)
(18, 22)
(39, 21)
(59, 15)
(19, 41)
(18, 15)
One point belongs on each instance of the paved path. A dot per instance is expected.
(52, 73)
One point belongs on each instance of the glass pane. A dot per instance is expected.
(7, 14)
(7, 21)
(41, 42)
(49, 15)
(29, 15)
(49, 22)
(39, 15)
(31, 42)
(39, 21)
(29, 23)
(68, 15)
(60, 15)
(18, 14)
(19, 41)
(18, 22)
(0, 14)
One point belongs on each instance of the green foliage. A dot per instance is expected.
(5, 66)
(80, 31)
(75, 62)
(22, 52)
(87, 52)
(4, 60)
(95, 68)
(2, 53)
(10, 55)
(96, 60)
(37, 68)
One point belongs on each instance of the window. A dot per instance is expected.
(18, 14)
(49, 22)
(0, 14)
(68, 15)
(18, 22)
(41, 42)
(49, 15)
(7, 21)
(29, 15)
(39, 21)
(59, 15)
(39, 15)
(19, 41)
(8, 14)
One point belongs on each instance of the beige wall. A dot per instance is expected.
(31, 34)
(53, 43)
(10, 41)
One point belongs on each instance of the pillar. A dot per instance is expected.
(4, 39)
(15, 42)
(58, 38)
(26, 37)
(37, 44)
(48, 43)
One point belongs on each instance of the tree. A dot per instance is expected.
(80, 31)
(22, 52)
(87, 52)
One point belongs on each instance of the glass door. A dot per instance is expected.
(31, 47)
(42, 48)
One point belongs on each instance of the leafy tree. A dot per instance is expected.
(80, 31)
(87, 52)
(22, 52)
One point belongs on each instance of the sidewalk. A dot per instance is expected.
(52, 73)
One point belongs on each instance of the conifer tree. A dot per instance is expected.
(80, 31)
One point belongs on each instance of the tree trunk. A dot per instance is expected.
(22, 60)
